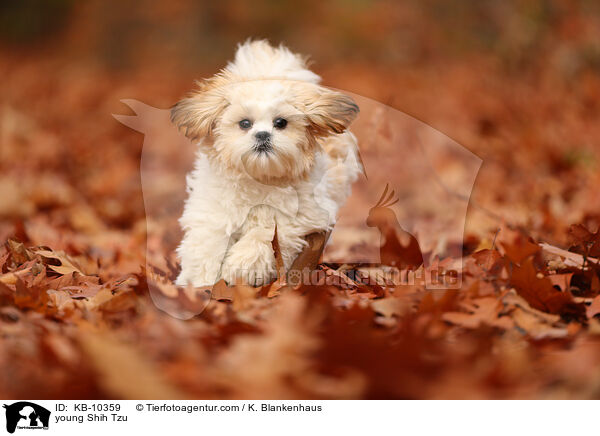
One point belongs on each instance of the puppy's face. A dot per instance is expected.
(262, 133)
(267, 129)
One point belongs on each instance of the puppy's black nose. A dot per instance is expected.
(263, 136)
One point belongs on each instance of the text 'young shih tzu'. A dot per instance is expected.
(273, 150)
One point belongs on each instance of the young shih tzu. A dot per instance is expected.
(273, 152)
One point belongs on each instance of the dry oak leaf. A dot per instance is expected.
(220, 291)
(585, 241)
(67, 264)
(516, 246)
(274, 289)
(541, 294)
(18, 254)
(481, 311)
(561, 280)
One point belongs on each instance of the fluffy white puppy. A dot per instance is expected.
(273, 150)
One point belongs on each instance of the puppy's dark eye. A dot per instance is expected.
(279, 123)
(245, 124)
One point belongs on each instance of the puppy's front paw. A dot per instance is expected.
(251, 262)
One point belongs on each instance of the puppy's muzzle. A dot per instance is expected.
(263, 142)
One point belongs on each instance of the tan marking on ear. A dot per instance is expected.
(327, 111)
(196, 114)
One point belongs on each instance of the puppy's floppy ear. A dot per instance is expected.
(329, 111)
(197, 114)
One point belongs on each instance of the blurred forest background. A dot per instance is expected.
(517, 82)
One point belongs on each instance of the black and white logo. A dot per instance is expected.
(26, 415)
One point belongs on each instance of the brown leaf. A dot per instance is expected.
(273, 289)
(67, 264)
(489, 260)
(563, 281)
(517, 246)
(584, 241)
(278, 257)
(243, 295)
(220, 291)
(480, 311)
(541, 294)
(309, 257)
(18, 253)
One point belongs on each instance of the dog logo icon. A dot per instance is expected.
(26, 415)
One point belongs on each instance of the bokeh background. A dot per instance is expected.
(517, 82)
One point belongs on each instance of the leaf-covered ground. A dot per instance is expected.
(76, 315)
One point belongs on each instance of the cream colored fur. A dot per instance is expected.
(236, 196)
